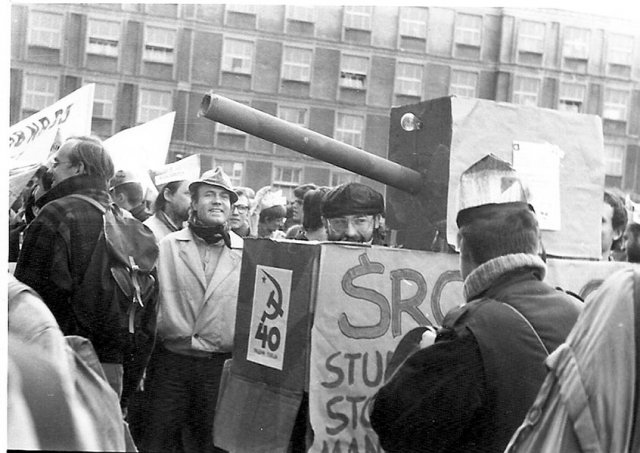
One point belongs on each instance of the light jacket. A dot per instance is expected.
(158, 224)
(196, 318)
(586, 403)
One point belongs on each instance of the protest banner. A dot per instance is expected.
(326, 321)
(33, 139)
(30, 140)
(185, 169)
(141, 148)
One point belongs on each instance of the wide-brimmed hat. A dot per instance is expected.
(218, 178)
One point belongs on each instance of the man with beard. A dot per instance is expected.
(353, 212)
(171, 209)
(199, 275)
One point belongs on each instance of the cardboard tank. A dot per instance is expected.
(317, 322)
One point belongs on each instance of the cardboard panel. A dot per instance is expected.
(480, 127)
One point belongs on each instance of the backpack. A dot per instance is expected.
(115, 303)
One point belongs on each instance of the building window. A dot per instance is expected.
(39, 92)
(45, 29)
(301, 13)
(571, 97)
(468, 30)
(342, 177)
(286, 179)
(413, 22)
(233, 169)
(104, 36)
(463, 83)
(159, 44)
(358, 17)
(615, 104)
(353, 71)
(242, 8)
(295, 115)
(237, 56)
(576, 43)
(525, 91)
(349, 129)
(153, 104)
(531, 37)
(619, 55)
(409, 79)
(613, 159)
(296, 64)
(103, 100)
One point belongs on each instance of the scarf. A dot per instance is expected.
(210, 234)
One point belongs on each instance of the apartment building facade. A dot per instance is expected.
(334, 69)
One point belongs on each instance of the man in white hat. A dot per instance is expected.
(470, 389)
(199, 274)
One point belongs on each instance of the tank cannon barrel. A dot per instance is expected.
(247, 119)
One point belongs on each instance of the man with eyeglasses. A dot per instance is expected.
(239, 218)
(353, 212)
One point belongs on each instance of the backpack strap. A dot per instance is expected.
(634, 444)
(89, 200)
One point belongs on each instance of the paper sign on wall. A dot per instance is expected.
(538, 164)
(271, 295)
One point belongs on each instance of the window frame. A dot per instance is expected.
(572, 100)
(455, 71)
(522, 35)
(227, 56)
(617, 163)
(340, 132)
(407, 22)
(569, 45)
(306, 69)
(140, 106)
(49, 99)
(629, 51)
(291, 16)
(624, 93)
(353, 72)
(105, 37)
(33, 29)
(459, 29)
(516, 92)
(151, 55)
(236, 181)
(400, 81)
(96, 98)
(352, 14)
(282, 108)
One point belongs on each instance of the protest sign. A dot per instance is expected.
(347, 308)
(30, 140)
(141, 148)
(187, 169)
(33, 139)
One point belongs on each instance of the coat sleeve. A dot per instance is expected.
(431, 400)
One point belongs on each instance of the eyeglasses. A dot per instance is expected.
(58, 162)
(242, 209)
(341, 224)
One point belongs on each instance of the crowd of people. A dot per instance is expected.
(498, 362)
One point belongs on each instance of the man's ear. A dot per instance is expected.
(80, 167)
(377, 221)
(617, 234)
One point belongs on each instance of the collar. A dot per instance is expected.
(93, 186)
(487, 274)
(166, 220)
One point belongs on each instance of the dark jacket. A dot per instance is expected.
(140, 212)
(470, 390)
(58, 245)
